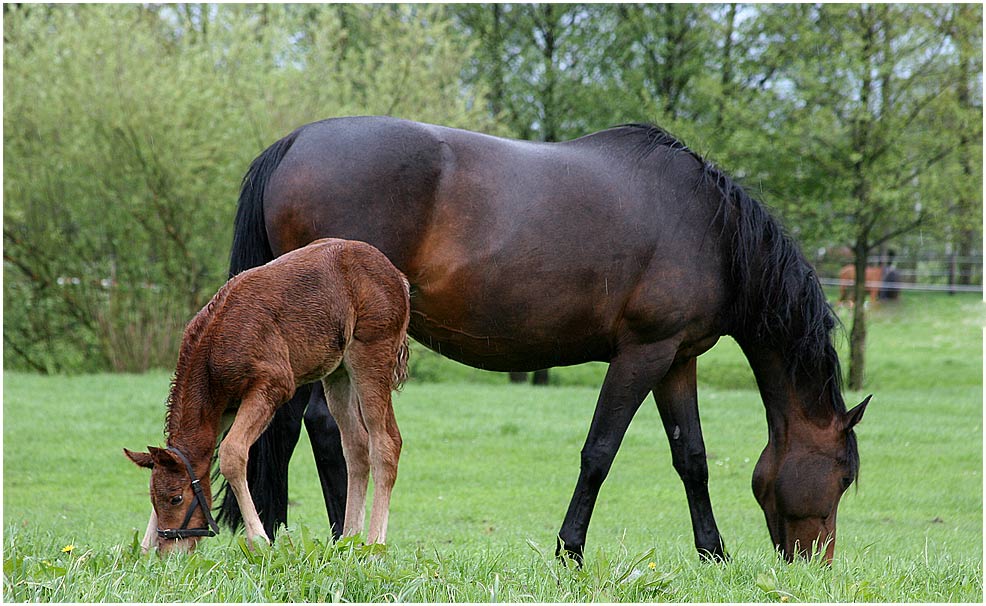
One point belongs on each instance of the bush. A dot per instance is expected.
(127, 130)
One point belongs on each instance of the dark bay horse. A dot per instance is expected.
(335, 311)
(622, 246)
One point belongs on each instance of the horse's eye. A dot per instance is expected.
(176, 500)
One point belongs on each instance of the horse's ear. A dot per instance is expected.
(163, 457)
(142, 459)
(854, 416)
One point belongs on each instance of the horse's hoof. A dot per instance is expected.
(566, 553)
(717, 555)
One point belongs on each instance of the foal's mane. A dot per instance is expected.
(778, 299)
(189, 369)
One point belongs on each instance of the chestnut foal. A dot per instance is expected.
(335, 310)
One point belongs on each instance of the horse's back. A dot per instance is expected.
(368, 179)
(520, 254)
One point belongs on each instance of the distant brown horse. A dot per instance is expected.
(334, 310)
(847, 278)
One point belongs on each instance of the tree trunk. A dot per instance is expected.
(861, 135)
(496, 56)
(550, 127)
(540, 377)
(857, 337)
(726, 76)
(966, 202)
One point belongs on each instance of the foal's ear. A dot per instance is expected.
(142, 459)
(854, 416)
(164, 457)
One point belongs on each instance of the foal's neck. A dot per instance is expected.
(194, 417)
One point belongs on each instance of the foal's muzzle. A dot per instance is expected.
(185, 532)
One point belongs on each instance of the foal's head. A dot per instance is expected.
(799, 484)
(182, 515)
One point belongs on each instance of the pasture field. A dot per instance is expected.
(485, 478)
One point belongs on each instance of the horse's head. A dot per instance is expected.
(181, 500)
(799, 484)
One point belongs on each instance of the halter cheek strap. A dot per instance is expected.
(185, 532)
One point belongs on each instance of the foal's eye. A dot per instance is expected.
(176, 500)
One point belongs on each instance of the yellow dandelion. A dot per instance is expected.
(652, 566)
(68, 548)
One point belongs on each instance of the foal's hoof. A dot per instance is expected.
(260, 541)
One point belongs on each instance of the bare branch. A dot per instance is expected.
(922, 217)
(23, 355)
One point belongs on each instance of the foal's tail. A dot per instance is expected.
(404, 351)
(270, 453)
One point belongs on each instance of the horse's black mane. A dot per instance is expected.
(779, 299)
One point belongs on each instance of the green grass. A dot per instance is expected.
(485, 478)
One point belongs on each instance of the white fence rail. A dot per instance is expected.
(906, 285)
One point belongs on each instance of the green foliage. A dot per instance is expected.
(128, 129)
(878, 122)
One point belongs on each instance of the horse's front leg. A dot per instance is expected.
(254, 414)
(677, 401)
(631, 375)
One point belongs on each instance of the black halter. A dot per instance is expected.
(185, 532)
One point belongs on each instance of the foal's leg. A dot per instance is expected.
(677, 401)
(632, 373)
(267, 468)
(373, 378)
(343, 402)
(254, 414)
(147, 543)
(385, 451)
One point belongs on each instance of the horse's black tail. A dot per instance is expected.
(250, 244)
(269, 456)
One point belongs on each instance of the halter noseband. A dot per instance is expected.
(185, 532)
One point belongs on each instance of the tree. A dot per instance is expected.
(965, 30)
(864, 125)
(127, 129)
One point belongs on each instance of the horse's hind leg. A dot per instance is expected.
(254, 414)
(371, 370)
(343, 403)
(677, 401)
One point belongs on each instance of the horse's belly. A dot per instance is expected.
(520, 325)
(502, 350)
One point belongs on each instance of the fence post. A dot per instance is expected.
(951, 273)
